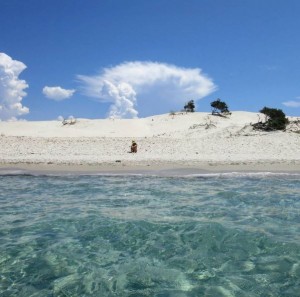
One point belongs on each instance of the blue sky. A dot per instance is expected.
(120, 58)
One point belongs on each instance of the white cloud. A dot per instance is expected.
(146, 84)
(57, 93)
(291, 103)
(11, 88)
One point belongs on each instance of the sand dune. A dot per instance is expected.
(190, 139)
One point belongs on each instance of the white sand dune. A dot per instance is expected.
(191, 139)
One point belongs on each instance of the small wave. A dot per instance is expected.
(23, 172)
(148, 173)
(244, 174)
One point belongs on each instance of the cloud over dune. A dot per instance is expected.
(132, 84)
(292, 103)
(57, 93)
(11, 88)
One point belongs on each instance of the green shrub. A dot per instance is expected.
(190, 106)
(219, 107)
(275, 120)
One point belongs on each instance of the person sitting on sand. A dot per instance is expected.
(134, 147)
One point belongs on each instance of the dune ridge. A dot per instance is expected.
(182, 140)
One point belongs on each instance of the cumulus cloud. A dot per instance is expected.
(11, 88)
(57, 93)
(146, 84)
(292, 103)
(60, 118)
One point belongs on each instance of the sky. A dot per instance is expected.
(136, 58)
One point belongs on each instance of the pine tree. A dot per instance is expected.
(275, 120)
(219, 107)
(190, 106)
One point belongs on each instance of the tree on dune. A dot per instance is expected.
(275, 120)
(219, 108)
(189, 106)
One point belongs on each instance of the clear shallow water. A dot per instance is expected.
(150, 236)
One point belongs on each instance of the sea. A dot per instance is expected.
(227, 234)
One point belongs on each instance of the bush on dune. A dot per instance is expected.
(219, 108)
(275, 120)
(189, 106)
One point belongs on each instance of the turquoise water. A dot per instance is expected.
(220, 235)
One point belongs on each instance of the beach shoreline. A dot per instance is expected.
(182, 144)
(148, 168)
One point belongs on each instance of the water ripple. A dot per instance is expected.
(149, 236)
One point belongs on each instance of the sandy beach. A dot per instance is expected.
(198, 142)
